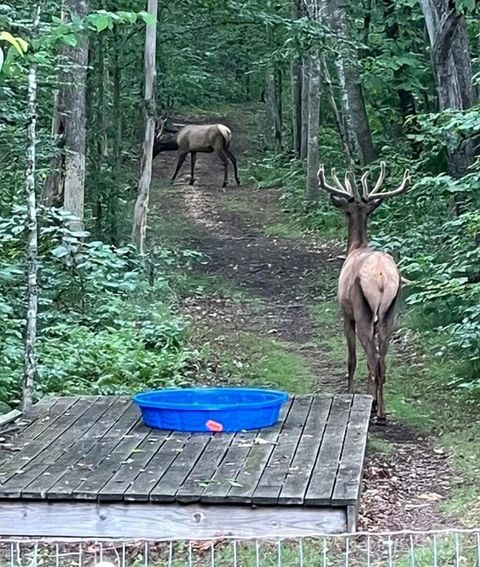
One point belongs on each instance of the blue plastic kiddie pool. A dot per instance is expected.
(210, 409)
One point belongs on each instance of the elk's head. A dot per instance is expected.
(350, 200)
(165, 136)
(357, 205)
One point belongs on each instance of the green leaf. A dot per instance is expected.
(101, 21)
(60, 251)
(19, 44)
(69, 39)
(147, 18)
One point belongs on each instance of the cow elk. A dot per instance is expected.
(369, 282)
(213, 138)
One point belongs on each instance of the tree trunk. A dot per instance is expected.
(99, 146)
(117, 142)
(74, 190)
(392, 31)
(313, 128)
(351, 141)
(451, 59)
(30, 365)
(353, 106)
(66, 183)
(296, 78)
(341, 126)
(269, 109)
(53, 188)
(278, 110)
(141, 205)
(296, 82)
(304, 105)
(273, 115)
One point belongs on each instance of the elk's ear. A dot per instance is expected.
(339, 202)
(372, 205)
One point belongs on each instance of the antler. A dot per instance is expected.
(348, 189)
(374, 193)
(380, 180)
(162, 126)
(339, 190)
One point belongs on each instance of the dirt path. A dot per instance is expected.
(280, 279)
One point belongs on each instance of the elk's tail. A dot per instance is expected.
(226, 135)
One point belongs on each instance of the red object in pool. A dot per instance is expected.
(214, 425)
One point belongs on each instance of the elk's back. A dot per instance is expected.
(203, 137)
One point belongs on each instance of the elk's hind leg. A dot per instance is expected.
(384, 333)
(181, 159)
(193, 159)
(223, 157)
(233, 159)
(366, 335)
(349, 329)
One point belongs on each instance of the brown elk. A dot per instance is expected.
(196, 138)
(369, 282)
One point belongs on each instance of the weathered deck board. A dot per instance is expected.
(166, 488)
(80, 470)
(31, 461)
(225, 476)
(151, 521)
(166, 453)
(54, 472)
(324, 472)
(108, 465)
(40, 418)
(251, 471)
(192, 487)
(348, 479)
(299, 474)
(131, 466)
(97, 449)
(271, 481)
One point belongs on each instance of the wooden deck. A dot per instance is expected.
(87, 466)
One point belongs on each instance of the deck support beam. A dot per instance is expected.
(163, 521)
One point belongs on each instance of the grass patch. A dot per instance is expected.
(285, 229)
(270, 363)
(377, 445)
(194, 283)
(275, 223)
(235, 204)
(174, 232)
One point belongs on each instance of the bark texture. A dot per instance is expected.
(66, 182)
(313, 128)
(141, 205)
(30, 361)
(353, 102)
(304, 105)
(296, 82)
(447, 32)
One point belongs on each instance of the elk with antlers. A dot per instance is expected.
(369, 282)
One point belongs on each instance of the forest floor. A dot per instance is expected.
(261, 302)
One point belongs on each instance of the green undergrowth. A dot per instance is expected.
(278, 171)
(107, 319)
